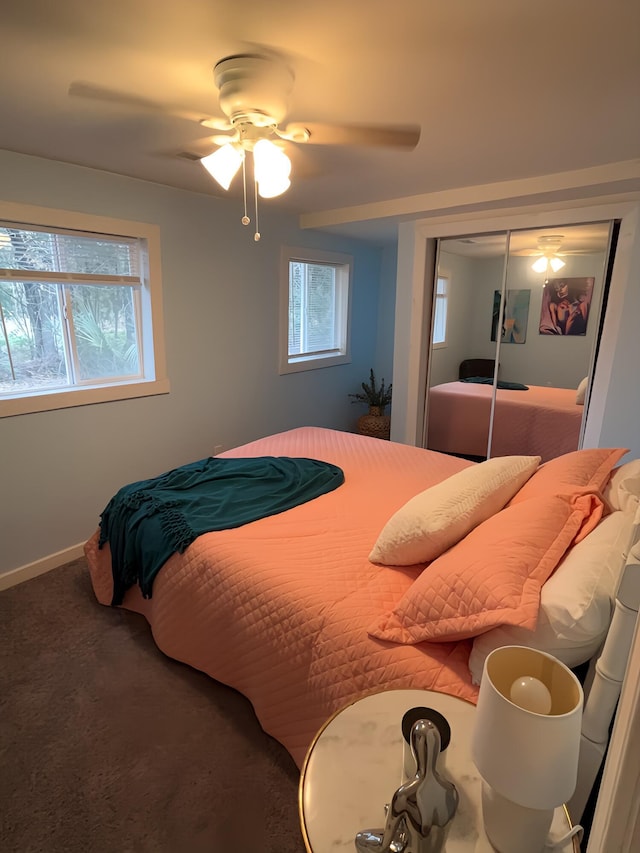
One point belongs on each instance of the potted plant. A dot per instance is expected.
(375, 423)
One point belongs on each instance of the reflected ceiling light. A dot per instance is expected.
(549, 260)
(271, 166)
(547, 263)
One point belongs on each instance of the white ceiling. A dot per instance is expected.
(502, 89)
(588, 238)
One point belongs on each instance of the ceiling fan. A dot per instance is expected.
(254, 92)
(547, 253)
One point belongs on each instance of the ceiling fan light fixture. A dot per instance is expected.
(224, 163)
(545, 263)
(271, 189)
(254, 95)
(272, 168)
(540, 265)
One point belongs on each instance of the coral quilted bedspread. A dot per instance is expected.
(279, 608)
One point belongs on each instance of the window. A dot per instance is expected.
(76, 313)
(315, 302)
(440, 311)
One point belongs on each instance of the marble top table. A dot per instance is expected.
(355, 765)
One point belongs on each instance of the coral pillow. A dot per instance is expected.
(575, 603)
(492, 577)
(437, 518)
(578, 472)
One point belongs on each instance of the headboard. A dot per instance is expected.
(605, 678)
(476, 367)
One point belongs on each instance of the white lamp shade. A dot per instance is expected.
(272, 168)
(528, 758)
(271, 189)
(223, 164)
(556, 264)
(540, 265)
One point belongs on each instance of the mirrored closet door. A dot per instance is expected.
(515, 322)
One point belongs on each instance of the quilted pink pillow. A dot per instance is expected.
(491, 577)
(581, 472)
(573, 473)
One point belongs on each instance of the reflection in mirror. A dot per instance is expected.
(553, 294)
(529, 301)
(469, 270)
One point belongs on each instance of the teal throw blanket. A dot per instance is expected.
(147, 521)
(485, 380)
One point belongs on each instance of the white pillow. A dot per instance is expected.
(623, 489)
(582, 390)
(437, 518)
(576, 602)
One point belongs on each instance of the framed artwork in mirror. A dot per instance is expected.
(515, 316)
(565, 306)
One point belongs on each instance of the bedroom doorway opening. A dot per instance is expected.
(515, 321)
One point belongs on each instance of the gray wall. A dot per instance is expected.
(58, 469)
(386, 311)
(614, 408)
(461, 317)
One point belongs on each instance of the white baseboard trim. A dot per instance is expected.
(39, 567)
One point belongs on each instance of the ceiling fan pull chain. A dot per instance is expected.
(256, 236)
(245, 219)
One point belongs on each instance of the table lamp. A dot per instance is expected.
(525, 745)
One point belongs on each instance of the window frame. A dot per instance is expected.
(152, 348)
(442, 298)
(343, 265)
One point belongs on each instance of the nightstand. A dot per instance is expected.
(354, 766)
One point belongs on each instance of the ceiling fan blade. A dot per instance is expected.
(192, 156)
(125, 99)
(354, 134)
(208, 144)
(195, 150)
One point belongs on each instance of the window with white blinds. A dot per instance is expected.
(440, 310)
(314, 310)
(75, 315)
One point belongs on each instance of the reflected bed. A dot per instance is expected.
(541, 421)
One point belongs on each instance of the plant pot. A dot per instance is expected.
(375, 424)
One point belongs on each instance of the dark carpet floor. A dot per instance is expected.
(108, 746)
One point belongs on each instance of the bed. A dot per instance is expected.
(308, 609)
(540, 421)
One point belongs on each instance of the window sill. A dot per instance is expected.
(81, 397)
(311, 363)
